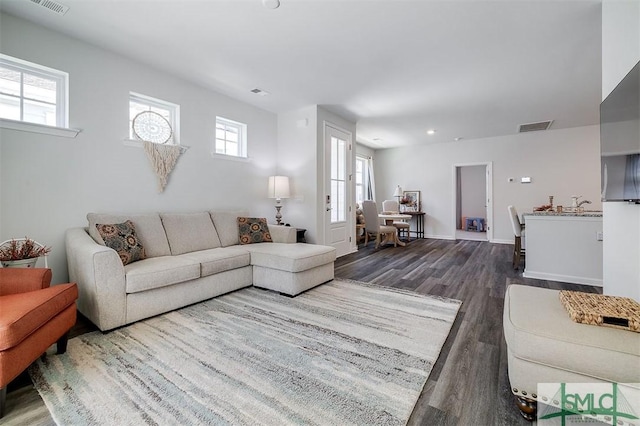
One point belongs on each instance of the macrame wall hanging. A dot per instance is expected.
(163, 159)
(155, 131)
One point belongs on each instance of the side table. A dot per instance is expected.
(300, 238)
(419, 223)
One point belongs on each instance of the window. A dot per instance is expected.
(32, 93)
(171, 112)
(363, 180)
(231, 138)
(338, 179)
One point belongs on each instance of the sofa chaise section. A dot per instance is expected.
(291, 268)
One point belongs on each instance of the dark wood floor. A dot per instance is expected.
(469, 383)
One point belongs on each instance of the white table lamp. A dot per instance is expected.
(278, 189)
(398, 192)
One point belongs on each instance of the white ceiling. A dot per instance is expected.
(469, 69)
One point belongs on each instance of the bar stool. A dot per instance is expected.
(518, 231)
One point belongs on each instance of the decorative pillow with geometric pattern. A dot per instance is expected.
(253, 230)
(122, 238)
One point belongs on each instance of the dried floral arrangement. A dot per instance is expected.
(22, 249)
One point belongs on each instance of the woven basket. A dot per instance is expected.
(597, 309)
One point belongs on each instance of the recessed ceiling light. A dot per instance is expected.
(271, 4)
(457, 139)
(431, 132)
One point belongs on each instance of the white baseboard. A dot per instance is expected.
(440, 237)
(563, 278)
(499, 241)
(352, 250)
(450, 238)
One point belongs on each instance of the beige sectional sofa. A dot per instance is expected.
(190, 257)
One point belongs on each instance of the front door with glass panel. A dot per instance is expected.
(337, 197)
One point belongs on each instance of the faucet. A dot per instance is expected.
(583, 202)
(574, 201)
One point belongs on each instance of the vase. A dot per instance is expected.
(22, 263)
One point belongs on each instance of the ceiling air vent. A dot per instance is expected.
(259, 92)
(53, 6)
(534, 127)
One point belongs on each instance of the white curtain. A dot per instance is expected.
(371, 187)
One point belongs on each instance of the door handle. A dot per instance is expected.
(328, 208)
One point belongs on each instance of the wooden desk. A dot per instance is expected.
(388, 220)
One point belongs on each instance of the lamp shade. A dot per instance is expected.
(279, 187)
(398, 192)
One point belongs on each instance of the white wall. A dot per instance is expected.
(621, 221)
(473, 191)
(620, 41)
(297, 159)
(560, 162)
(621, 250)
(49, 184)
(365, 151)
(300, 156)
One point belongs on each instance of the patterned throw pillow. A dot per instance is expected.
(253, 230)
(122, 238)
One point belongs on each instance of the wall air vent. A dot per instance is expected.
(534, 127)
(53, 6)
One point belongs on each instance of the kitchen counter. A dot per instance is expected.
(564, 247)
(586, 213)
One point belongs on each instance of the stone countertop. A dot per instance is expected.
(586, 213)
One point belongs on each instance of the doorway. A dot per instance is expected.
(339, 222)
(473, 210)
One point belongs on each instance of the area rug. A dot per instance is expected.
(342, 353)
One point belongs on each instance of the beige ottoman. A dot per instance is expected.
(545, 346)
(291, 268)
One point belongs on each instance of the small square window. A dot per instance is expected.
(32, 93)
(171, 112)
(231, 138)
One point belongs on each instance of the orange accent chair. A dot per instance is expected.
(33, 316)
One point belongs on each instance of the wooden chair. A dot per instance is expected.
(403, 227)
(518, 231)
(372, 224)
(33, 317)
